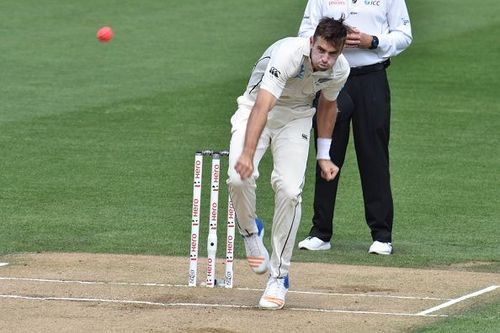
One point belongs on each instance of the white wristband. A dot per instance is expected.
(323, 151)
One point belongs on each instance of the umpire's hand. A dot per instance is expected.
(328, 169)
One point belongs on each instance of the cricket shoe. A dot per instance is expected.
(380, 248)
(314, 244)
(274, 295)
(257, 255)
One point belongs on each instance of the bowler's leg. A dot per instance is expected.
(242, 193)
(290, 148)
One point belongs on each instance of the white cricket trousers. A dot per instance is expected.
(289, 147)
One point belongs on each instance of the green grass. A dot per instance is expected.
(97, 140)
(483, 318)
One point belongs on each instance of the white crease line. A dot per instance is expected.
(457, 300)
(94, 282)
(319, 293)
(400, 314)
(137, 284)
(3, 264)
(102, 300)
(205, 305)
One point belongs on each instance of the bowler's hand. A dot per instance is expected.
(244, 166)
(328, 169)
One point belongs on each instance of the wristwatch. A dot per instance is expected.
(374, 43)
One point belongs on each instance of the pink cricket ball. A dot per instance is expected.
(104, 34)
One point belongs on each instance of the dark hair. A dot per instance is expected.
(332, 30)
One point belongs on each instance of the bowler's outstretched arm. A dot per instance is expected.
(256, 122)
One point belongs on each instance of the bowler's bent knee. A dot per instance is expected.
(289, 193)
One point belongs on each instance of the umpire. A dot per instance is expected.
(379, 30)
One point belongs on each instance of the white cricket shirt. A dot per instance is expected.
(285, 71)
(386, 19)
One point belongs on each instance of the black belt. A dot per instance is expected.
(370, 68)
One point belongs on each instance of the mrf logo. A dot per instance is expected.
(276, 73)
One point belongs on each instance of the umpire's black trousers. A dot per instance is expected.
(365, 102)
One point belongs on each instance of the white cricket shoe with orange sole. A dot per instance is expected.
(274, 295)
(257, 255)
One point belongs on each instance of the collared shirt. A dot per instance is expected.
(386, 19)
(285, 71)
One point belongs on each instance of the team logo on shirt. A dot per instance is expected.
(276, 73)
